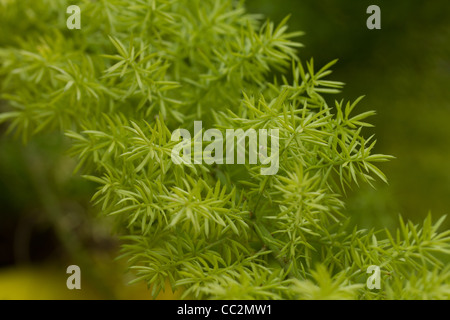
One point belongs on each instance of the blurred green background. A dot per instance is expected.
(404, 72)
(46, 221)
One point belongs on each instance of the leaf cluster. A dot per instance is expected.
(140, 69)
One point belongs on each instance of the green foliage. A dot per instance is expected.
(136, 71)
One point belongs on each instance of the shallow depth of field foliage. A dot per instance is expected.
(139, 69)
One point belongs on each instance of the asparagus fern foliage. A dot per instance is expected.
(139, 69)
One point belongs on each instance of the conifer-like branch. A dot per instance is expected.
(141, 69)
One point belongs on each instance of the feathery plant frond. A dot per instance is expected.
(139, 69)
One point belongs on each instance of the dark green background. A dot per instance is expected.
(404, 72)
